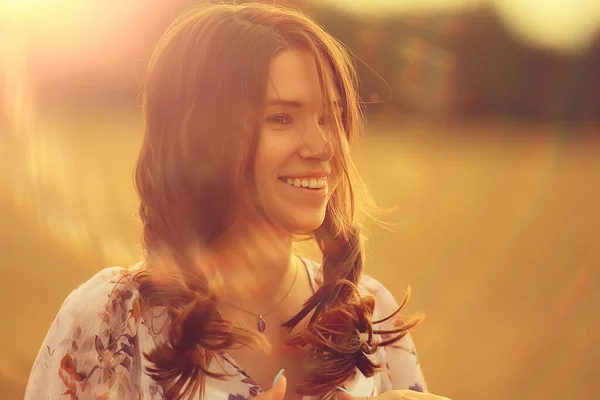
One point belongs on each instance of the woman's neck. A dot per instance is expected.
(256, 267)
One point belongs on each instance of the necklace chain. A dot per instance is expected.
(260, 316)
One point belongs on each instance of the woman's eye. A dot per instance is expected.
(282, 119)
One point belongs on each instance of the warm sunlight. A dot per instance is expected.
(58, 25)
(62, 38)
(563, 24)
(29, 8)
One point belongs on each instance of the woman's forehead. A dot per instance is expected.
(294, 77)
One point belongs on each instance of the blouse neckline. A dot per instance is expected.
(309, 266)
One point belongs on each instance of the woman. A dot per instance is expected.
(249, 114)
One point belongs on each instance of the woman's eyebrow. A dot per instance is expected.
(295, 104)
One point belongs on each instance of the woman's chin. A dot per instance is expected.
(304, 224)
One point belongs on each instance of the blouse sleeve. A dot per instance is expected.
(401, 367)
(88, 352)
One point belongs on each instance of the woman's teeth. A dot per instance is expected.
(312, 183)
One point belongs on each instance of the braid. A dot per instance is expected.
(196, 334)
(340, 330)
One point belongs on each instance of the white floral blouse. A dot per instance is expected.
(94, 348)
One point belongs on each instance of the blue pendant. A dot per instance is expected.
(261, 324)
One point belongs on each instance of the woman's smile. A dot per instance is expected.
(299, 189)
(310, 182)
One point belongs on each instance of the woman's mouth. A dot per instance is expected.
(307, 182)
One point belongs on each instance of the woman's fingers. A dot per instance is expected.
(277, 392)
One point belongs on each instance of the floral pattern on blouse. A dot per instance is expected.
(95, 345)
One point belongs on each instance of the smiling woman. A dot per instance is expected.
(246, 148)
(295, 144)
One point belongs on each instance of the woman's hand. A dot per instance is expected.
(393, 395)
(277, 392)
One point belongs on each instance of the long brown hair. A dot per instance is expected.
(202, 101)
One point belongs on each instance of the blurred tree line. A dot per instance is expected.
(447, 64)
(466, 65)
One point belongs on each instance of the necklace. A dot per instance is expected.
(260, 323)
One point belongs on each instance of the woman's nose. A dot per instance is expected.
(316, 142)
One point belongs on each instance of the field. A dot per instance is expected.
(495, 226)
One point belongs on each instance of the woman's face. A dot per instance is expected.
(293, 169)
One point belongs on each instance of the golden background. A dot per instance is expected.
(496, 219)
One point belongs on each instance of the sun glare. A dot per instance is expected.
(562, 24)
(35, 6)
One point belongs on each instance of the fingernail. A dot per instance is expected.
(341, 389)
(277, 377)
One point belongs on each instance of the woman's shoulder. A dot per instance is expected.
(102, 281)
(102, 296)
(90, 343)
(383, 296)
(100, 306)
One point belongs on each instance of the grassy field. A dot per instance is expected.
(496, 228)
